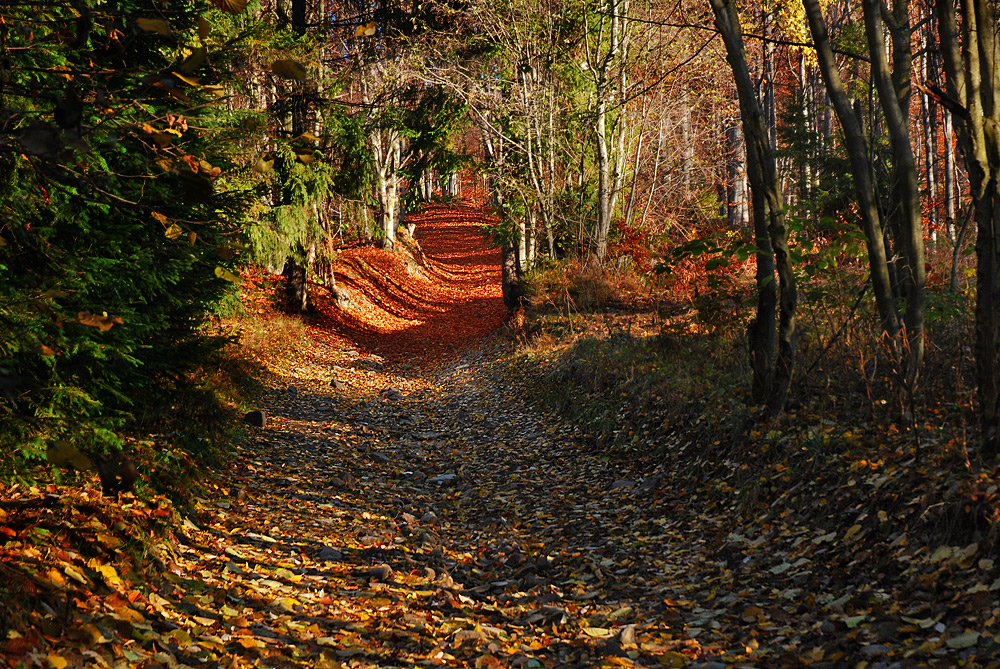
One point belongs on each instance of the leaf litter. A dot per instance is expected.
(406, 506)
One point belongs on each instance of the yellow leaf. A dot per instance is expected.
(964, 557)
(289, 69)
(226, 275)
(203, 28)
(217, 91)
(305, 156)
(174, 231)
(192, 237)
(366, 30)
(942, 553)
(57, 662)
(674, 660)
(190, 81)
(851, 531)
(158, 26)
(65, 454)
(854, 621)
(966, 640)
(597, 632)
(264, 164)
(160, 217)
(106, 571)
(308, 136)
(75, 575)
(108, 540)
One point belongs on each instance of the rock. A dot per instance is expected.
(328, 554)
(382, 572)
(443, 478)
(648, 486)
(408, 518)
(370, 364)
(369, 540)
(874, 650)
(337, 385)
(430, 517)
(256, 418)
(427, 435)
(381, 458)
(623, 483)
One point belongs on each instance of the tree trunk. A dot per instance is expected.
(861, 172)
(510, 282)
(603, 182)
(772, 353)
(296, 288)
(737, 211)
(949, 175)
(973, 81)
(893, 92)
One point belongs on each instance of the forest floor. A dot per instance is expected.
(405, 505)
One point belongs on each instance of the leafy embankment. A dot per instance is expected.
(852, 536)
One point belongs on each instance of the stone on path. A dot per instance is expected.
(328, 554)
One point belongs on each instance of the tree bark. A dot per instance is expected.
(861, 172)
(510, 282)
(893, 92)
(973, 82)
(772, 353)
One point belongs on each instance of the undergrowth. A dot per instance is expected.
(662, 380)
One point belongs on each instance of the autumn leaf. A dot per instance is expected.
(226, 275)
(158, 26)
(102, 322)
(289, 69)
(366, 30)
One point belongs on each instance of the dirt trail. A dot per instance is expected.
(399, 514)
(416, 309)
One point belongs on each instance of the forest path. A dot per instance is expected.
(405, 507)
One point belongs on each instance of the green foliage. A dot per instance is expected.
(289, 229)
(112, 220)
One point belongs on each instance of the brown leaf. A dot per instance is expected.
(158, 26)
(289, 69)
